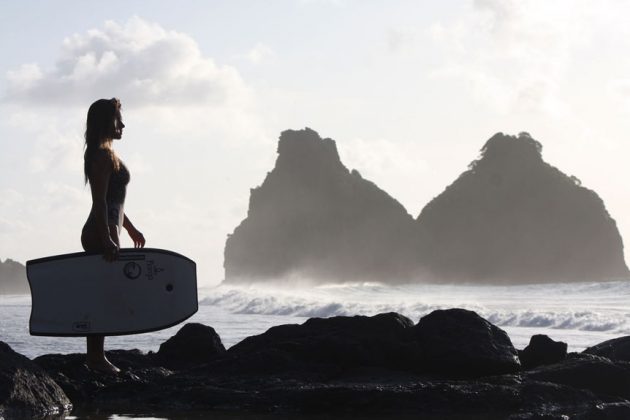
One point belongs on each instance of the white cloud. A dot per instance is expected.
(399, 39)
(25, 77)
(8, 227)
(619, 89)
(378, 156)
(53, 139)
(10, 197)
(514, 54)
(260, 53)
(138, 61)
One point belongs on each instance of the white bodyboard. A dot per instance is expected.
(81, 294)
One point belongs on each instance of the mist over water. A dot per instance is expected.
(597, 306)
(581, 314)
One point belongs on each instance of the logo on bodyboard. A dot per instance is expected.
(132, 270)
(81, 326)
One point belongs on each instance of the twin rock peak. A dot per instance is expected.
(509, 218)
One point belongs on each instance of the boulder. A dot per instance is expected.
(542, 350)
(26, 390)
(365, 366)
(615, 349)
(337, 343)
(459, 342)
(193, 344)
(584, 371)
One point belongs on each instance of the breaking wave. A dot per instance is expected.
(601, 307)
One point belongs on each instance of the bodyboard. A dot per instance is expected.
(82, 294)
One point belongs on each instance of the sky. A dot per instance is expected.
(409, 90)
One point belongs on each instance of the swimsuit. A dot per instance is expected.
(115, 199)
(116, 192)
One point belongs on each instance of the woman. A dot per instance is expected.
(108, 178)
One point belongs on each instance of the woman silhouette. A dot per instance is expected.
(108, 178)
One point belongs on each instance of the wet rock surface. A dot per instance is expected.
(26, 389)
(617, 349)
(382, 365)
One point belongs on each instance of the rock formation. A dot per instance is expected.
(542, 350)
(451, 364)
(313, 218)
(26, 390)
(13, 278)
(511, 217)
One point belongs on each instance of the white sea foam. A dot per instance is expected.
(602, 307)
(581, 314)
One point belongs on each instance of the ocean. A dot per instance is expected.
(580, 314)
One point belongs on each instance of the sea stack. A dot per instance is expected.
(13, 278)
(513, 218)
(313, 219)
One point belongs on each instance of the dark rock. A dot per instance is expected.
(84, 386)
(615, 349)
(542, 350)
(513, 218)
(596, 374)
(352, 366)
(25, 389)
(313, 218)
(337, 343)
(461, 343)
(608, 411)
(194, 344)
(13, 278)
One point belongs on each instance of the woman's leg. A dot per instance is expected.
(96, 343)
(96, 355)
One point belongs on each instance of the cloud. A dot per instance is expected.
(515, 55)
(260, 53)
(8, 227)
(10, 198)
(398, 39)
(619, 90)
(139, 61)
(379, 156)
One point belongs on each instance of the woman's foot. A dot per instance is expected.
(103, 365)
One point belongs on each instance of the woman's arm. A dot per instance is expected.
(99, 179)
(135, 235)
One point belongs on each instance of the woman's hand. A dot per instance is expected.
(111, 250)
(137, 237)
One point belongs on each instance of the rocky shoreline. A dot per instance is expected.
(451, 364)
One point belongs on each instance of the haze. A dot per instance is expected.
(409, 90)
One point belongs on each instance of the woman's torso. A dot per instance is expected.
(115, 198)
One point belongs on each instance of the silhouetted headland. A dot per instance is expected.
(510, 218)
(451, 364)
(313, 218)
(13, 278)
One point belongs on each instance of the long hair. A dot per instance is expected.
(100, 118)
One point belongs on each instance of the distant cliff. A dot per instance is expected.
(313, 218)
(13, 278)
(511, 217)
